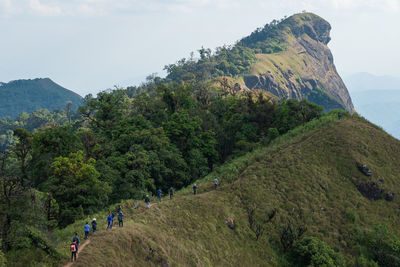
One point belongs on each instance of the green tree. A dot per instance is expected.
(76, 187)
(23, 148)
(47, 144)
(310, 251)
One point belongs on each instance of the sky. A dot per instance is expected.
(91, 45)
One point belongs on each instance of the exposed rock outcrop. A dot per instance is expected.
(373, 191)
(364, 169)
(304, 69)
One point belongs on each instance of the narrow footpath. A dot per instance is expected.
(82, 247)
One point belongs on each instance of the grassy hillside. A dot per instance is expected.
(29, 95)
(309, 177)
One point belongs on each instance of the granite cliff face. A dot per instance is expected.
(304, 68)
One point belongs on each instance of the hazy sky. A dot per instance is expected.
(91, 45)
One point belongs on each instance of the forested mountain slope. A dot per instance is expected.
(302, 200)
(29, 95)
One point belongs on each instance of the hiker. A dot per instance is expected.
(215, 183)
(340, 116)
(87, 230)
(119, 209)
(159, 192)
(195, 189)
(120, 219)
(74, 250)
(171, 192)
(109, 221)
(112, 221)
(76, 240)
(94, 225)
(147, 201)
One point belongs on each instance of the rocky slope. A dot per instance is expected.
(303, 68)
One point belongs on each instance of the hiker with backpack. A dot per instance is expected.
(195, 189)
(147, 201)
(215, 183)
(94, 225)
(74, 250)
(159, 193)
(120, 217)
(109, 221)
(74, 247)
(87, 230)
(171, 192)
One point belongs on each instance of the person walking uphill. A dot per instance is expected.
(120, 219)
(147, 201)
(171, 192)
(87, 230)
(195, 189)
(74, 250)
(94, 225)
(109, 221)
(159, 193)
(215, 183)
(76, 240)
(74, 247)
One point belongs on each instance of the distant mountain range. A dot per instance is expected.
(29, 95)
(377, 98)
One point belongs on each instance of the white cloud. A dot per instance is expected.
(44, 9)
(6, 8)
(109, 7)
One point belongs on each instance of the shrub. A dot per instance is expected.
(364, 262)
(272, 134)
(3, 261)
(289, 234)
(310, 251)
(383, 245)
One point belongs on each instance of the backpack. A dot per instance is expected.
(73, 247)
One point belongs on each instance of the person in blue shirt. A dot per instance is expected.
(195, 189)
(76, 240)
(120, 219)
(94, 225)
(147, 201)
(109, 221)
(159, 192)
(87, 230)
(112, 215)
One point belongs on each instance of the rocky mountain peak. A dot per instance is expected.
(310, 24)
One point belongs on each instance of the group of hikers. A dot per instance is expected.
(110, 218)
